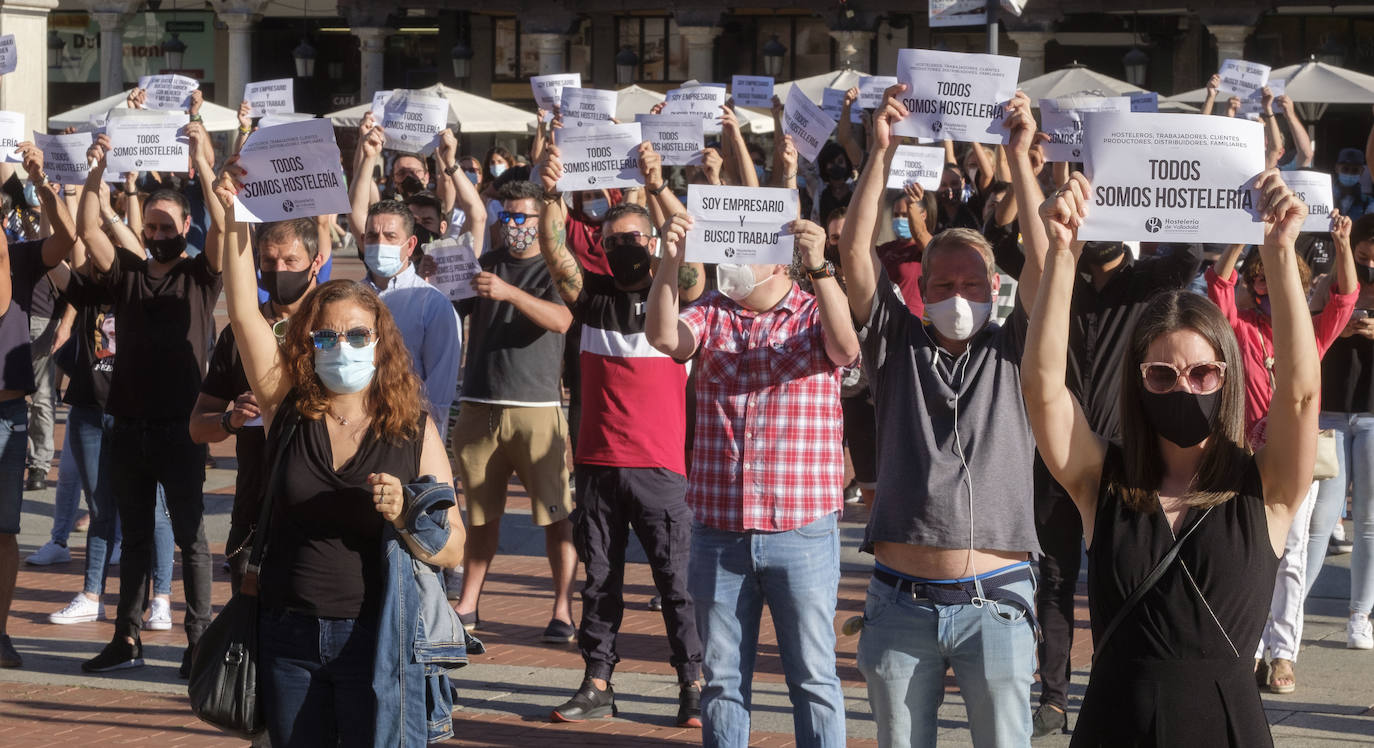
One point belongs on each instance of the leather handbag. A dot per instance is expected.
(1328, 464)
(223, 688)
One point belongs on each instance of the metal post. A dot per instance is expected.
(993, 5)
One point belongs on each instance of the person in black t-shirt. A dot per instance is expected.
(289, 260)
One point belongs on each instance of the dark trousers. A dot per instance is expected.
(316, 679)
(572, 379)
(611, 501)
(1060, 529)
(144, 454)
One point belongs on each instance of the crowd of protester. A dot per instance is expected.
(1122, 395)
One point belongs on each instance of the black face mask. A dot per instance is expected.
(285, 287)
(1102, 253)
(629, 264)
(1181, 417)
(1364, 273)
(166, 250)
(411, 185)
(837, 172)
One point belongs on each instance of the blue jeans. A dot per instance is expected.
(87, 428)
(1355, 448)
(906, 646)
(14, 444)
(732, 574)
(316, 679)
(67, 495)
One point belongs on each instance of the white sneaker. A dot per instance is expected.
(50, 553)
(1359, 632)
(81, 609)
(114, 556)
(159, 615)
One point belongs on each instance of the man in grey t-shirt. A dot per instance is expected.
(951, 527)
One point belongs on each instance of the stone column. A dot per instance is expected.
(240, 27)
(550, 48)
(1230, 41)
(26, 89)
(700, 51)
(1030, 46)
(372, 44)
(852, 49)
(111, 50)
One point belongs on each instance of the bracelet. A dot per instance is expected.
(244, 130)
(225, 424)
(197, 118)
(131, 193)
(550, 196)
(656, 191)
(451, 170)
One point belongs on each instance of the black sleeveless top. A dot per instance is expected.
(1178, 670)
(324, 549)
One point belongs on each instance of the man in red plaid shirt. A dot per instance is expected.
(767, 476)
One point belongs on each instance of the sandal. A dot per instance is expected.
(1282, 670)
(1261, 674)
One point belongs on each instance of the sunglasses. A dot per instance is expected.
(1202, 378)
(358, 337)
(519, 218)
(625, 239)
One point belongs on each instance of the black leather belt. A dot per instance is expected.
(995, 587)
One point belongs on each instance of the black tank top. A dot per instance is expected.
(324, 548)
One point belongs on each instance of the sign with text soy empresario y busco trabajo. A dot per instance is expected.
(1172, 178)
(740, 225)
(955, 96)
(292, 171)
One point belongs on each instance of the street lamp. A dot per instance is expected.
(304, 55)
(55, 47)
(462, 60)
(626, 63)
(174, 50)
(772, 57)
(1137, 63)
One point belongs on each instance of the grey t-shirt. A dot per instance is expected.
(919, 390)
(511, 360)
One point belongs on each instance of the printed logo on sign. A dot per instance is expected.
(591, 180)
(1077, 152)
(1153, 225)
(288, 206)
(729, 251)
(937, 125)
(138, 162)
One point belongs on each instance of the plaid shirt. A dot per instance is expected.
(768, 449)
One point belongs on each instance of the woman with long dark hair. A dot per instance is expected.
(1172, 664)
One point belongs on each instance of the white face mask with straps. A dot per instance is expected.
(958, 318)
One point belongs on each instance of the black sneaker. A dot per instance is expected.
(37, 480)
(689, 705)
(184, 672)
(117, 655)
(559, 632)
(588, 703)
(1047, 721)
(9, 657)
(656, 602)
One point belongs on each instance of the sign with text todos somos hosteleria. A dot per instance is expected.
(955, 96)
(740, 225)
(600, 157)
(1313, 188)
(678, 139)
(147, 141)
(293, 171)
(1172, 178)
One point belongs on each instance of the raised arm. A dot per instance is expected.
(360, 191)
(553, 230)
(88, 219)
(58, 245)
(841, 342)
(1213, 85)
(446, 158)
(739, 150)
(6, 282)
(1346, 280)
(858, 255)
(1301, 142)
(665, 331)
(1067, 444)
(1026, 189)
(663, 205)
(1221, 283)
(1273, 136)
(784, 162)
(245, 126)
(203, 161)
(987, 168)
(844, 129)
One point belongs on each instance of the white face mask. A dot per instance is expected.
(735, 281)
(958, 318)
(595, 208)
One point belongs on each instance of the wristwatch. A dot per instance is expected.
(826, 270)
(227, 425)
(657, 190)
(451, 170)
(197, 118)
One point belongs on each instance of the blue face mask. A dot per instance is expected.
(31, 194)
(471, 175)
(1346, 180)
(383, 259)
(498, 169)
(344, 369)
(901, 227)
(801, 182)
(758, 170)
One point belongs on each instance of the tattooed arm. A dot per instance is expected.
(553, 230)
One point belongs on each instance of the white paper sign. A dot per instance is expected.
(582, 107)
(700, 101)
(740, 225)
(281, 118)
(808, 125)
(271, 97)
(548, 89)
(1172, 178)
(64, 156)
(412, 120)
(12, 133)
(832, 102)
(1062, 120)
(678, 139)
(293, 171)
(1313, 188)
(9, 56)
(600, 157)
(147, 141)
(168, 92)
(752, 90)
(1144, 101)
(921, 164)
(872, 88)
(1241, 79)
(956, 96)
(457, 266)
(1254, 105)
(957, 13)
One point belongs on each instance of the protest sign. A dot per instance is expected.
(456, 266)
(412, 120)
(872, 88)
(1241, 79)
(958, 13)
(678, 139)
(12, 133)
(293, 171)
(1144, 101)
(955, 96)
(1062, 120)
(600, 157)
(147, 141)
(808, 125)
(270, 97)
(168, 92)
(1313, 188)
(741, 225)
(282, 118)
(921, 164)
(1172, 178)
(752, 90)
(832, 103)
(1253, 106)
(9, 56)
(699, 101)
(548, 89)
(64, 156)
(581, 107)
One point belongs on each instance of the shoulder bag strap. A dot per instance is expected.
(292, 418)
(1144, 586)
